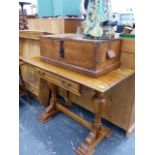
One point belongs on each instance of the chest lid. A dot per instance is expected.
(74, 37)
(62, 36)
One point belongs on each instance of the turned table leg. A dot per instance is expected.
(51, 110)
(98, 132)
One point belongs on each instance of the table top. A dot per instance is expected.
(100, 84)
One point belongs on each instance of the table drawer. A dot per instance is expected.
(61, 82)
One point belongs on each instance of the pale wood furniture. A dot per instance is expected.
(79, 85)
(128, 53)
(29, 47)
(120, 112)
(54, 25)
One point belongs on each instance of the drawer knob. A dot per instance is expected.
(41, 73)
(62, 82)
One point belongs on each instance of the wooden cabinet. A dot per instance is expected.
(28, 48)
(128, 53)
(54, 25)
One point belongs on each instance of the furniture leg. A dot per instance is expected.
(130, 131)
(51, 110)
(68, 102)
(98, 132)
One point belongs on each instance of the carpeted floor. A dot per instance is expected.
(61, 135)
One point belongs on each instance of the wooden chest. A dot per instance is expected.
(91, 57)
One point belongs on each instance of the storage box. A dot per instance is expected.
(91, 57)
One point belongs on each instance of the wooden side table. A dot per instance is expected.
(75, 82)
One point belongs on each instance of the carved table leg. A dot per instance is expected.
(98, 132)
(51, 109)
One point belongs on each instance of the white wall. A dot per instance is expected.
(122, 5)
(28, 7)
